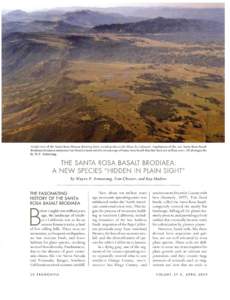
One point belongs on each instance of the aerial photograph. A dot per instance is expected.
(130, 74)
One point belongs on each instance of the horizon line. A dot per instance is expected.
(203, 5)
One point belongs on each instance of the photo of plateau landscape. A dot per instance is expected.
(140, 74)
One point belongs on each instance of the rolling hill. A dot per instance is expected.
(40, 26)
(163, 25)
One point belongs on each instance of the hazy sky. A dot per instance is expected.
(41, 4)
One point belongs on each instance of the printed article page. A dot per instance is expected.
(114, 150)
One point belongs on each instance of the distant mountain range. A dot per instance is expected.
(15, 16)
(27, 40)
(22, 16)
(163, 25)
(85, 18)
(88, 18)
(58, 21)
(214, 14)
(119, 13)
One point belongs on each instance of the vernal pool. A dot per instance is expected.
(114, 94)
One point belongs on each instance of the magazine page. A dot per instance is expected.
(114, 150)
